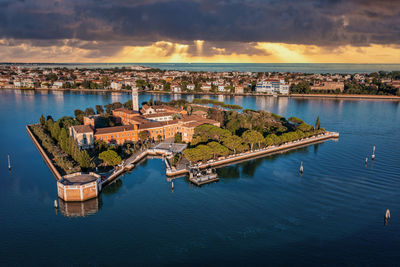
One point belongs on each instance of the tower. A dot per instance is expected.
(135, 99)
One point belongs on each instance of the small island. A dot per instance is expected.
(88, 151)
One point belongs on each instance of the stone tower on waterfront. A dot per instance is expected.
(135, 99)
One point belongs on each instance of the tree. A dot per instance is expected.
(317, 124)
(218, 149)
(79, 115)
(89, 111)
(42, 120)
(99, 109)
(84, 159)
(301, 88)
(110, 157)
(128, 104)
(252, 137)
(143, 135)
(178, 138)
(233, 142)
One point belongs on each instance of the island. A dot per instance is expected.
(90, 150)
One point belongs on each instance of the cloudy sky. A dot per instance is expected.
(349, 31)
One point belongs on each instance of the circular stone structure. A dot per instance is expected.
(79, 186)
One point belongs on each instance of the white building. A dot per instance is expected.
(116, 86)
(273, 86)
(190, 87)
(58, 84)
(221, 88)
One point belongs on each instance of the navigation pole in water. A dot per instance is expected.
(9, 163)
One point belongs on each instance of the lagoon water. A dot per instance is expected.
(260, 212)
(242, 67)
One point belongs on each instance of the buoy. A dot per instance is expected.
(172, 184)
(301, 167)
(55, 203)
(9, 163)
(387, 214)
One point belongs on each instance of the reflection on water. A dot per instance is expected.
(112, 188)
(116, 97)
(79, 209)
(58, 96)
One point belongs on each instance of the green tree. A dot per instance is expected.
(252, 137)
(233, 142)
(84, 159)
(79, 115)
(89, 111)
(110, 157)
(178, 138)
(143, 135)
(99, 109)
(317, 124)
(42, 120)
(218, 150)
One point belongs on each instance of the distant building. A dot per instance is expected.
(116, 86)
(190, 87)
(273, 86)
(327, 86)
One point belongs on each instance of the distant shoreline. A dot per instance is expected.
(326, 96)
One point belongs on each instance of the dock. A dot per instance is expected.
(199, 178)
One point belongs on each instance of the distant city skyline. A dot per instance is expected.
(287, 31)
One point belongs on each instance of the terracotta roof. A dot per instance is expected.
(156, 115)
(115, 129)
(125, 110)
(82, 129)
(150, 124)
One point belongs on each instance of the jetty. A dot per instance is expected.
(200, 178)
(83, 189)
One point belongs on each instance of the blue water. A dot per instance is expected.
(244, 67)
(261, 212)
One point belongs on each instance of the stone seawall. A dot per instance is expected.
(46, 159)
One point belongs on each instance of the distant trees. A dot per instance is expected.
(302, 87)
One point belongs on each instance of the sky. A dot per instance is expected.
(218, 31)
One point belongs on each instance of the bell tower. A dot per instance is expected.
(135, 99)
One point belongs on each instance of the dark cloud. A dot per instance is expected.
(221, 23)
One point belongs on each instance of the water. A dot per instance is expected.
(242, 67)
(260, 212)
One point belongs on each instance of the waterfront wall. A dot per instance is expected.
(46, 159)
(256, 153)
